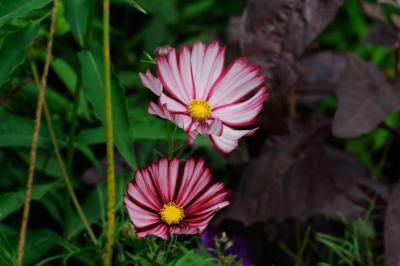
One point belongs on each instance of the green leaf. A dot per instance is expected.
(194, 258)
(94, 206)
(62, 25)
(16, 131)
(7, 256)
(146, 127)
(12, 52)
(77, 13)
(13, 201)
(18, 8)
(94, 209)
(69, 77)
(56, 101)
(46, 162)
(39, 243)
(92, 74)
(65, 72)
(163, 9)
(196, 9)
(136, 5)
(91, 136)
(51, 206)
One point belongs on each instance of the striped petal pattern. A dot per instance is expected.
(165, 183)
(204, 97)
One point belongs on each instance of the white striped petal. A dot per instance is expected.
(244, 113)
(151, 82)
(238, 80)
(229, 139)
(207, 65)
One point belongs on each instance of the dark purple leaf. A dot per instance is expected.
(383, 35)
(365, 99)
(374, 11)
(278, 26)
(296, 175)
(396, 21)
(319, 75)
(398, 63)
(392, 229)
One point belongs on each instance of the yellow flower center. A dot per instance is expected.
(171, 213)
(199, 110)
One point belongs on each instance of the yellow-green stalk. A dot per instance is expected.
(108, 254)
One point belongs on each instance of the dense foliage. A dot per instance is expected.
(317, 183)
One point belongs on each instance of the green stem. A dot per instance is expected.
(170, 141)
(61, 164)
(107, 259)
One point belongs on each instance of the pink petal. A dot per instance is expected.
(163, 50)
(200, 222)
(139, 216)
(172, 177)
(143, 192)
(229, 139)
(159, 172)
(216, 197)
(163, 112)
(169, 73)
(172, 104)
(161, 231)
(184, 230)
(186, 120)
(191, 131)
(151, 82)
(238, 80)
(210, 128)
(185, 70)
(191, 137)
(206, 128)
(244, 113)
(207, 66)
(195, 178)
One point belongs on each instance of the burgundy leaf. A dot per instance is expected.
(276, 26)
(365, 99)
(396, 21)
(383, 35)
(319, 75)
(296, 175)
(374, 11)
(392, 229)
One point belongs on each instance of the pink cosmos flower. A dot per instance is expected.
(204, 98)
(163, 199)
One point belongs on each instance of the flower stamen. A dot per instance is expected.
(172, 213)
(199, 110)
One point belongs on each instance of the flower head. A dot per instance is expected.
(203, 96)
(163, 199)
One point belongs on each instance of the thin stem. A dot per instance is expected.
(60, 160)
(107, 259)
(170, 141)
(32, 161)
